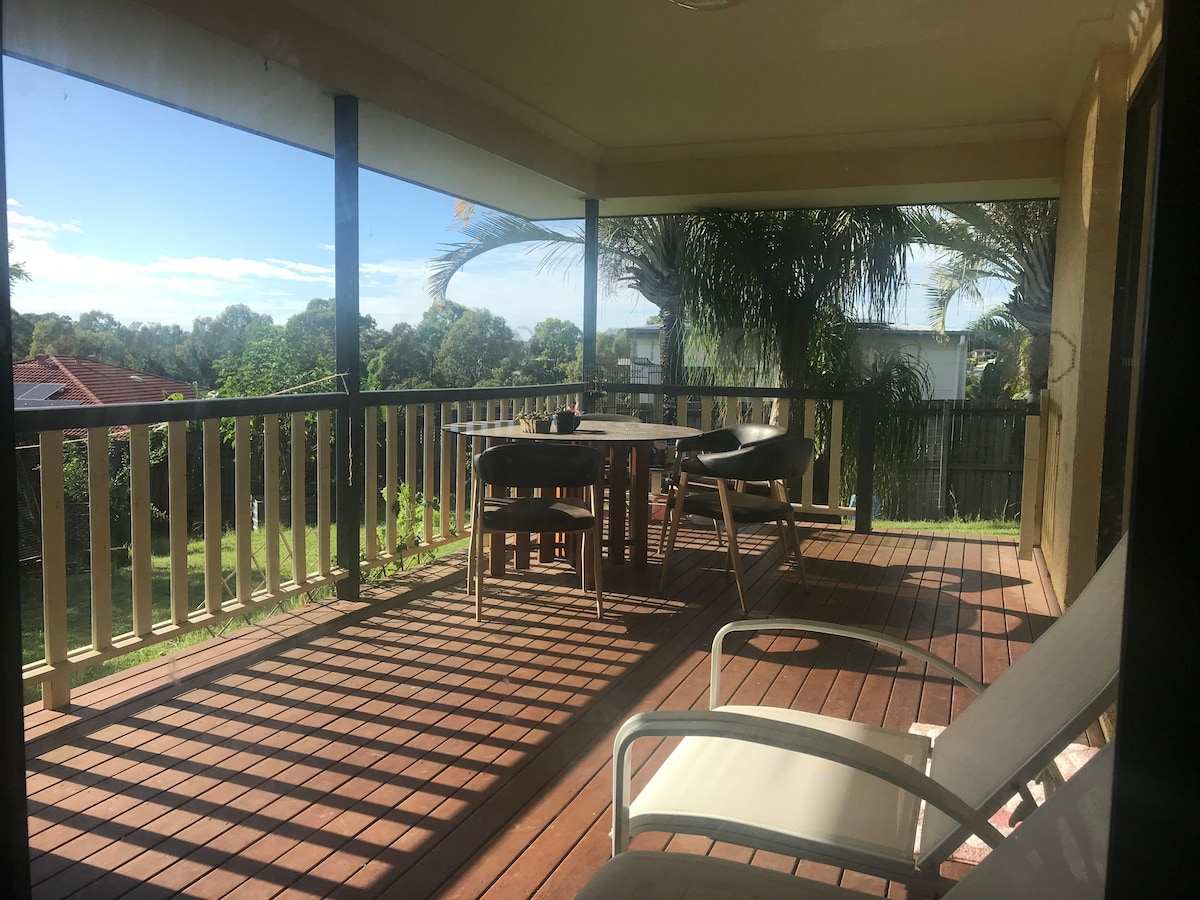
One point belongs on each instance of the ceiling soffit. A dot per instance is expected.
(533, 105)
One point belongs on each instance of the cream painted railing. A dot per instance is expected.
(212, 460)
(276, 571)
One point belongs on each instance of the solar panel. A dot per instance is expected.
(36, 391)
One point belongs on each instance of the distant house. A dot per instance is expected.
(645, 358)
(85, 381)
(944, 357)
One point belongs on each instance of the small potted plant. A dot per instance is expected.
(565, 420)
(536, 420)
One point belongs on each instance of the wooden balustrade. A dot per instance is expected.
(414, 499)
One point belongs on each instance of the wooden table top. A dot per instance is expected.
(597, 430)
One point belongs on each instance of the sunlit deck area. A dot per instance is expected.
(394, 748)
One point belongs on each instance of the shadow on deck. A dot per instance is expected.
(395, 748)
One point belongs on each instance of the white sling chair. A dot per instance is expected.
(847, 793)
(1059, 852)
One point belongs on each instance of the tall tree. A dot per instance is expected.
(156, 348)
(645, 253)
(478, 348)
(226, 335)
(56, 335)
(269, 364)
(1010, 242)
(553, 349)
(398, 363)
(771, 278)
(23, 325)
(435, 324)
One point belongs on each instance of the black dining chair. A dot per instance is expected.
(551, 469)
(719, 440)
(772, 462)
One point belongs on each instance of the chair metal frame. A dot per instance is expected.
(1060, 851)
(818, 804)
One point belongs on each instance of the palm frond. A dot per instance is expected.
(488, 232)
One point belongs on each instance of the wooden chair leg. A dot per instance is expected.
(597, 559)
(799, 556)
(475, 516)
(735, 558)
(479, 580)
(666, 521)
(676, 513)
(471, 560)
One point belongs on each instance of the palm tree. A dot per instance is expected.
(782, 276)
(1011, 242)
(791, 284)
(1008, 374)
(645, 253)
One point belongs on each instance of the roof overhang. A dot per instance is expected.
(534, 105)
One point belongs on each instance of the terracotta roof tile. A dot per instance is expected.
(92, 382)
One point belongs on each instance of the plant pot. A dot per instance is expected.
(542, 426)
(565, 423)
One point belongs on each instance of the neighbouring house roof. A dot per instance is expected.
(86, 381)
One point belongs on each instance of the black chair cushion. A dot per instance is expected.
(721, 440)
(530, 465)
(534, 514)
(766, 461)
(746, 508)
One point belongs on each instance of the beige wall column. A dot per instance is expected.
(1082, 324)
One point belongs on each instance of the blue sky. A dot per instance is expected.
(153, 215)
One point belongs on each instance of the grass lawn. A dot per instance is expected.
(1003, 527)
(79, 624)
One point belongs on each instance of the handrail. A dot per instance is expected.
(413, 498)
(63, 418)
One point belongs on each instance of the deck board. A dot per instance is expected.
(392, 747)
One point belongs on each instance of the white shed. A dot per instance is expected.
(944, 357)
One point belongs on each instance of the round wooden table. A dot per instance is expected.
(629, 446)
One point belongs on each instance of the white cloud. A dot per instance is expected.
(23, 227)
(238, 268)
(168, 290)
(176, 290)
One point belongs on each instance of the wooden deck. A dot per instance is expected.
(394, 748)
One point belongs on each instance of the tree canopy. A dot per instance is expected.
(243, 353)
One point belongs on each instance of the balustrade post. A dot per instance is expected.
(56, 691)
(865, 483)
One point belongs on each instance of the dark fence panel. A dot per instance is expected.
(969, 463)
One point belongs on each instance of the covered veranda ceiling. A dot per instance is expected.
(534, 105)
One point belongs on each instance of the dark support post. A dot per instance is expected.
(348, 430)
(14, 827)
(591, 274)
(864, 487)
(1155, 784)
